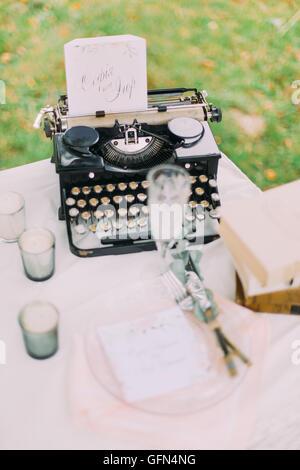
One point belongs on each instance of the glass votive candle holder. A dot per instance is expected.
(37, 248)
(12, 216)
(39, 324)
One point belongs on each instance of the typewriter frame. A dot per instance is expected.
(161, 105)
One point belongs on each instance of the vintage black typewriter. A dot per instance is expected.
(103, 161)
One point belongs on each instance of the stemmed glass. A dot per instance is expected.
(169, 190)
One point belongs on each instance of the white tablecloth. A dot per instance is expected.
(33, 405)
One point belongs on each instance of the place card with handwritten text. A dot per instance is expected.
(107, 74)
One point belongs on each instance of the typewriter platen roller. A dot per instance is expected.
(103, 161)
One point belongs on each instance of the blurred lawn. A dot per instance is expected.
(233, 49)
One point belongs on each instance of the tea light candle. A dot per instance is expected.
(39, 324)
(37, 247)
(12, 216)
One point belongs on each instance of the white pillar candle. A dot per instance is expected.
(12, 217)
(39, 317)
(36, 241)
(39, 323)
(37, 250)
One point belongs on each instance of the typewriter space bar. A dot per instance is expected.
(127, 241)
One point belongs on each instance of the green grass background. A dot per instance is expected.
(233, 49)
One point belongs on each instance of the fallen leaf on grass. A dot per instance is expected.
(270, 174)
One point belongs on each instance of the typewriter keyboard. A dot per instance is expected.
(116, 213)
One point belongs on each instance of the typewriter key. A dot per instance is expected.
(74, 212)
(200, 215)
(133, 185)
(98, 214)
(109, 213)
(122, 186)
(131, 223)
(117, 225)
(215, 197)
(129, 198)
(80, 229)
(214, 214)
(81, 203)
(86, 216)
(142, 222)
(142, 197)
(204, 204)
(199, 191)
(75, 191)
(117, 199)
(203, 178)
(133, 211)
(190, 217)
(94, 202)
(192, 179)
(110, 188)
(212, 183)
(145, 184)
(86, 190)
(122, 212)
(70, 201)
(193, 204)
(145, 210)
(97, 189)
(105, 226)
(105, 200)
(93, 228)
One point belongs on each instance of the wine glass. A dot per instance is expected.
(169, 190)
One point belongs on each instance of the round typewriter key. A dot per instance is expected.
(199, 191)
(105, 200)
(192, 179)
(214, 214)
(80, 229)
(204, 204)
(97, 189)
(200, 215)
(122, 212)
(94, 202)
(133, 211)
(142, 222)
(129, 198)
(145, 184)
(142, 197)
(131, 223)
(193, 204)
(105, 226)
(133, 185)
(215, 197)
(93, 228)
(145, 210)
(98, 214)
(109, 213)
(117, 199)
(74, 212)
(86, 216)
(203, 178)
(212, 183)
(81, 203)
(117, 225)
(86, 190)
(122, 186)
(190, 217)
(110, 188)
(70, 201)
(75, 191)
